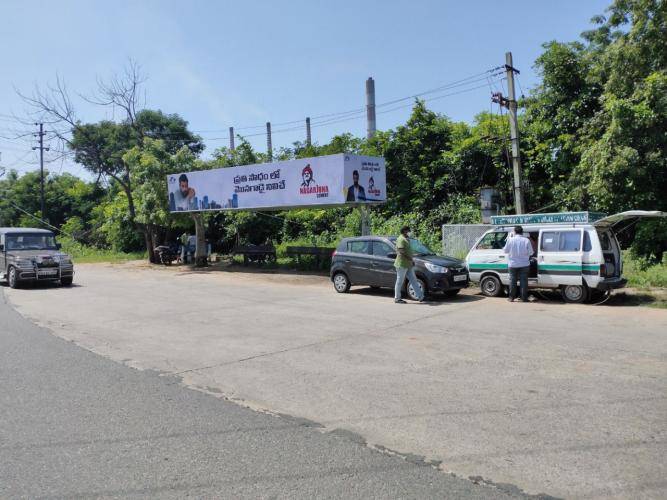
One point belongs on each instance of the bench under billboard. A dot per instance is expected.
(334, 180)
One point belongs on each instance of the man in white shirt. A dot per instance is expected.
(518, 250)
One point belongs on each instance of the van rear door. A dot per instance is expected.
(613, 222)
(559, 257)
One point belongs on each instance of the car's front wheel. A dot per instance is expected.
(66, 281)
(411, 291)
(341, 282)
(12, 277)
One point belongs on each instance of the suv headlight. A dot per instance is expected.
(63, 258)
(435, 268)
(24, 263)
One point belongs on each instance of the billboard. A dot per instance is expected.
(324, 180)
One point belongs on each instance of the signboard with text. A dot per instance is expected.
(555, 218)
(320, 181)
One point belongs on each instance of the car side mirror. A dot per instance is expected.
(391, 255)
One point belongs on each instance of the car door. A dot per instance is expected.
(559, 260)
(358, 261)
(383, 272)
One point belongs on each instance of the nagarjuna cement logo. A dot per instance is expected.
(309, 187)
(372, 190)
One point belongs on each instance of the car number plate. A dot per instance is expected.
(461, 277)
(47, 272)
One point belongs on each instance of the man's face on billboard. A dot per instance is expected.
(307, 176)
(183, 186)
(355, 178)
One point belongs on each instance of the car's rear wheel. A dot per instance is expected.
(12, 277)
(341, 282)
(491, 286)
(411, 291)
(574, 294)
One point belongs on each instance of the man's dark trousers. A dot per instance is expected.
(520, 273)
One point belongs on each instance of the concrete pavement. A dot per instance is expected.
(562, 399)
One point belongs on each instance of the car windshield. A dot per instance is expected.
(30, 241)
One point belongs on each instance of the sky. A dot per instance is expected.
(221, 63)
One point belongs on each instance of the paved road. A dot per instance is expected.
(560, 399)
(76, 425)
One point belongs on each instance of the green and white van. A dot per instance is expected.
(576, 252)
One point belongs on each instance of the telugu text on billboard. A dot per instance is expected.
(320, 181)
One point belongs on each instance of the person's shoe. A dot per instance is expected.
(510, 300)
(423, 299)
(399, 301)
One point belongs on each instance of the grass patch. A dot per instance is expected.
(643, 275)
(82, 254)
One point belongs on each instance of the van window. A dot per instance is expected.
(381, 249)
(560, 241)
(493, 241)
(358, 246)
(588, 246)
(605, 242)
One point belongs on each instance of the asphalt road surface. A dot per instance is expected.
(567, 400)
(76, 425)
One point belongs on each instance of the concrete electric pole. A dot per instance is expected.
(514, 134)
(41, 148)
(370, 108)
(364, 211)
(231, 139)
(308, 141)
(269, 147)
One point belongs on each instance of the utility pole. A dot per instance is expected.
(231, 139)
(514, 134)
(308, 131)
(41, 148)
(269, 148)
(364, 211)
(370, 108)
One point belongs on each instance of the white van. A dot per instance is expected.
(575, 251)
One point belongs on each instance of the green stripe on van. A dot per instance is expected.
(487, 266)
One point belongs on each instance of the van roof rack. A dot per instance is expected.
(553, 218)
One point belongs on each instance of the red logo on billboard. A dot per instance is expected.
(309, 186)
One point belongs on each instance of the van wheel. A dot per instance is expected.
(574, 294)
(12, 277)
(491, 286)
(411, 291)
(341, 283)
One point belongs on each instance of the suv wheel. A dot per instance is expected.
(411, 291)
(12, 277)
(490, 286)
(66, 281)
(341, 283)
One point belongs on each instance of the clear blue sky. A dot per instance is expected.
(227, 63)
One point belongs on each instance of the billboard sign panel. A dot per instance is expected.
(320, 181)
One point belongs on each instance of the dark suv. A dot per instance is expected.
(32, 255)
(369, 260)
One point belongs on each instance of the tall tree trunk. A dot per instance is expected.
(201, 259)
